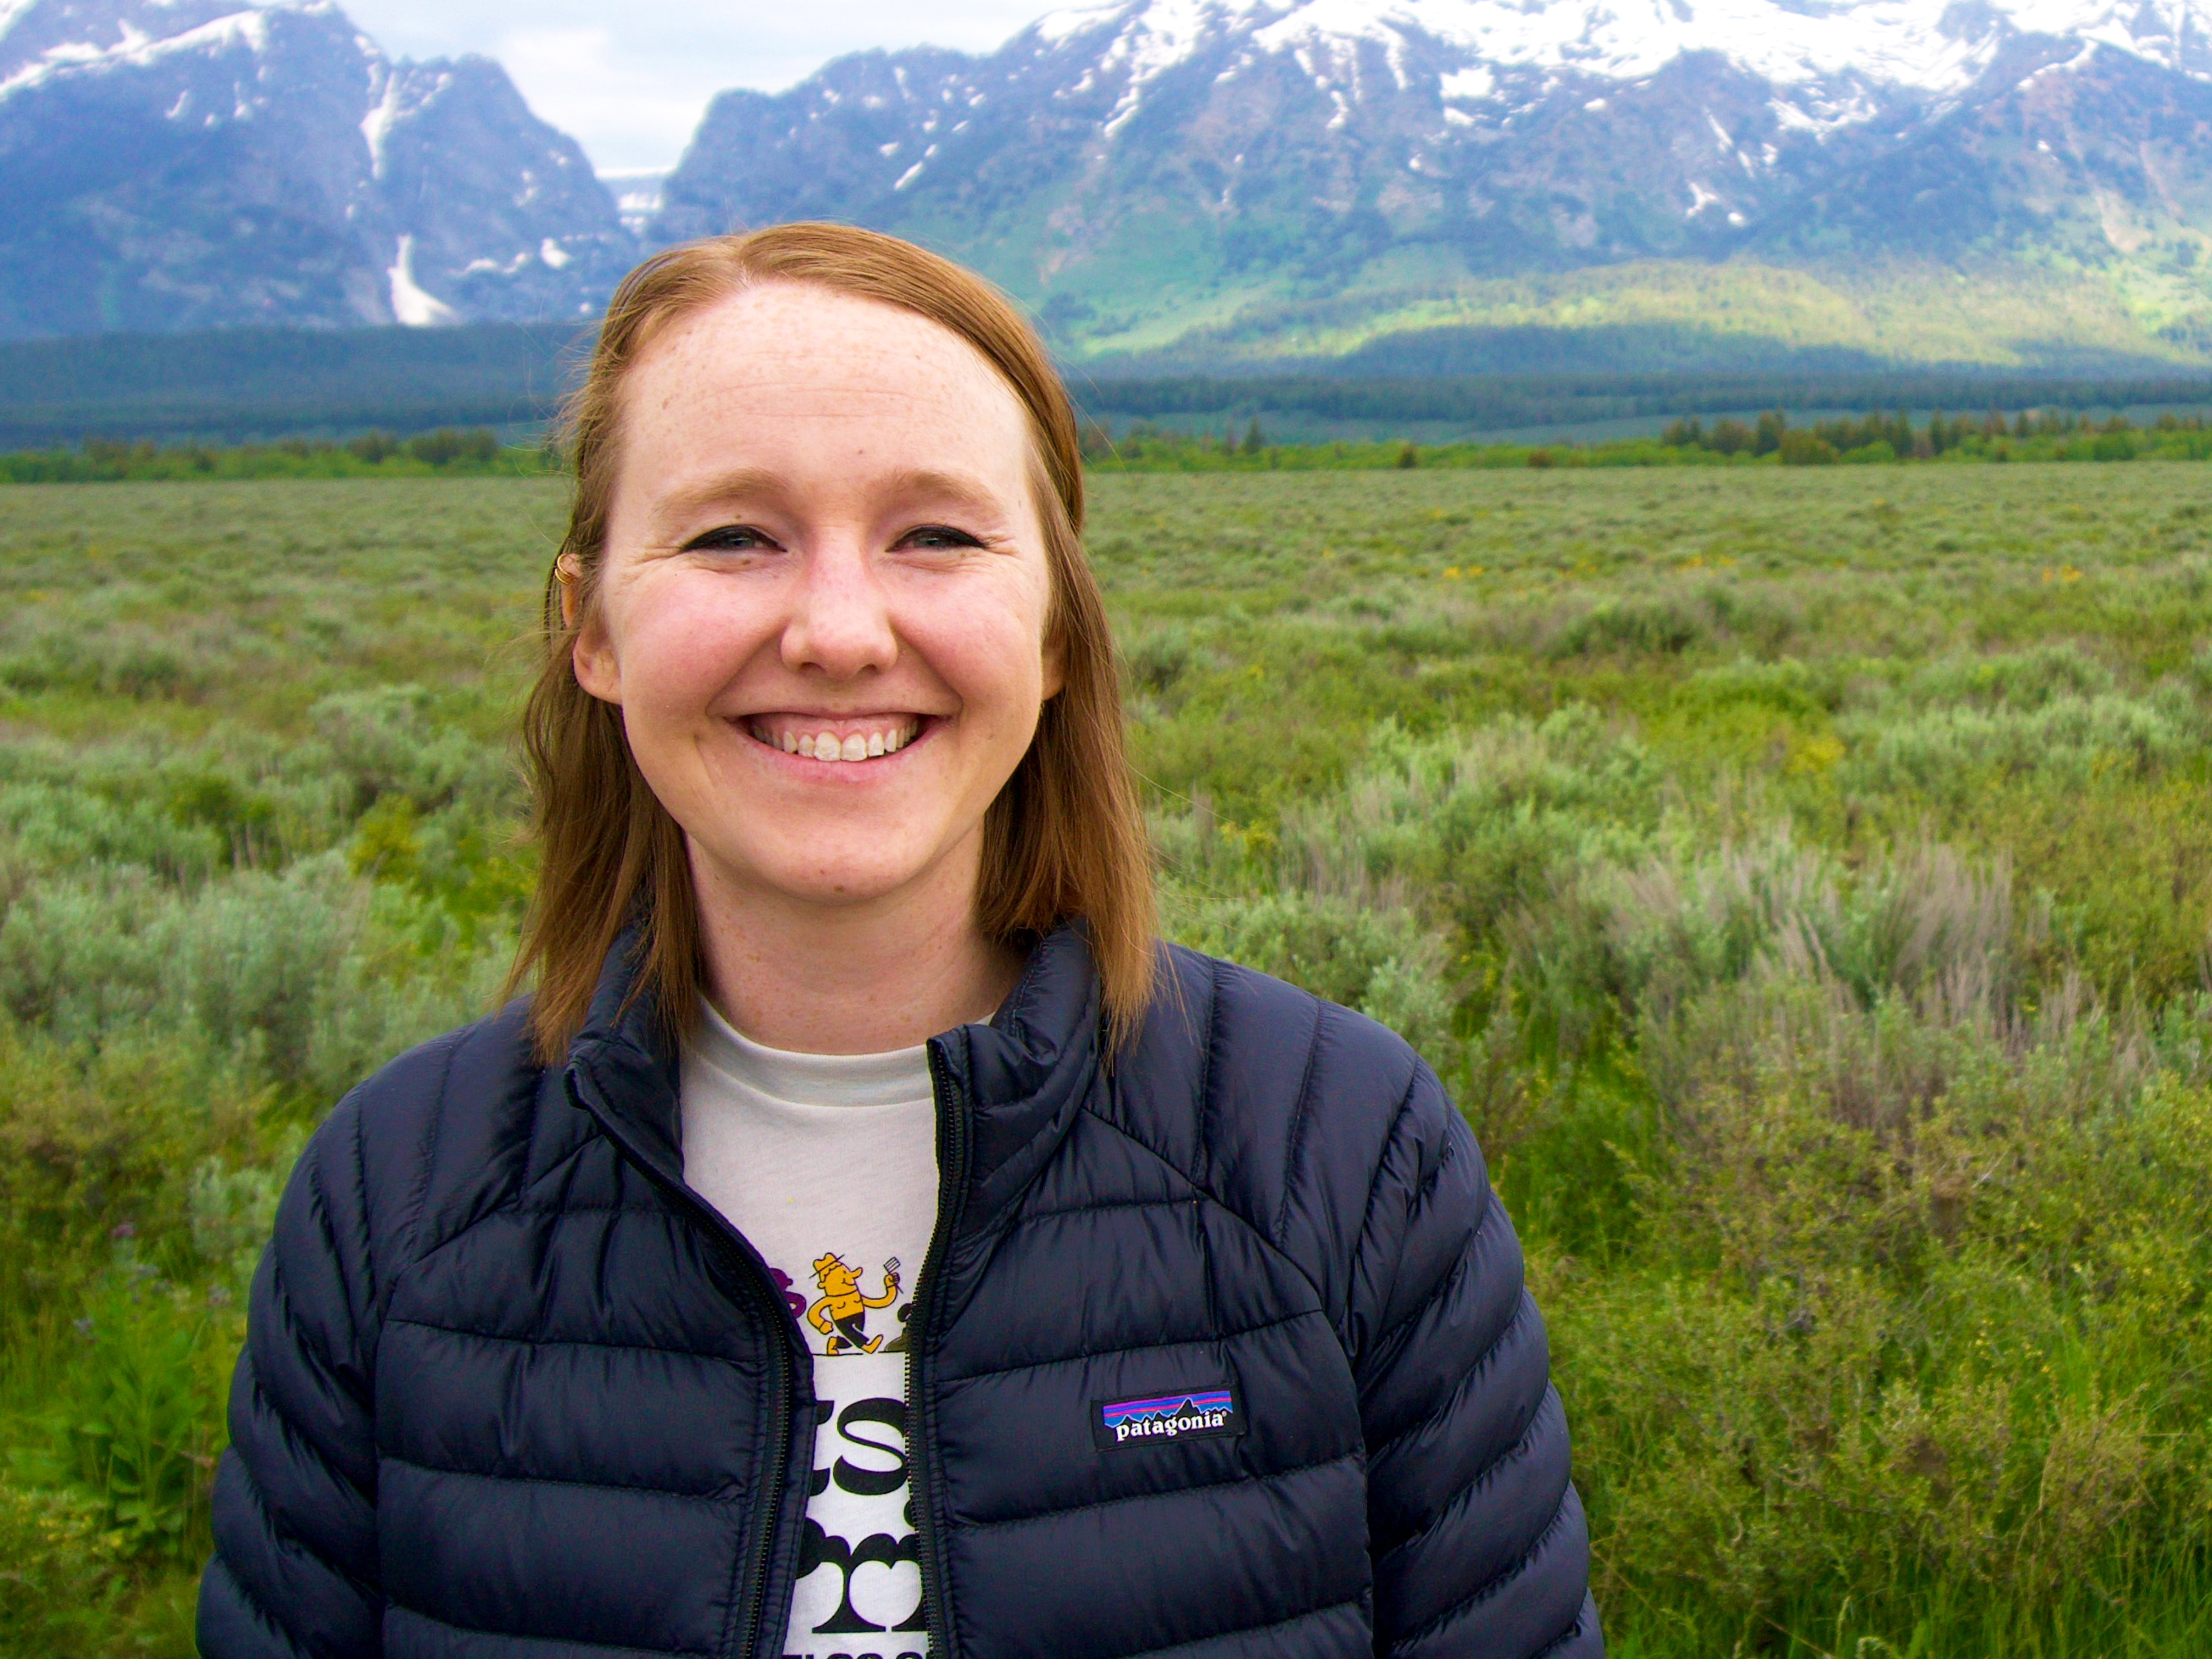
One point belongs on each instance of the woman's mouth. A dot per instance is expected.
(811, 737)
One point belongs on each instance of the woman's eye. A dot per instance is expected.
(729, 539)
(938, 536)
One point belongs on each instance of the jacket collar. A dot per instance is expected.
(1018, 1081)
(622, 1065)
(1026, 1073)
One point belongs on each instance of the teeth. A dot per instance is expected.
(828, 746)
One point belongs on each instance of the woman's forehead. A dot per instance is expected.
(794, 379)
(800, 343)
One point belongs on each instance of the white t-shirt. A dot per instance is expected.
(827, 1164)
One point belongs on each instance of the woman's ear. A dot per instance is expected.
(597, 669)
(591, 652)
(1055, 664)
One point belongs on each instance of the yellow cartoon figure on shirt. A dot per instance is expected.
(843, 1308)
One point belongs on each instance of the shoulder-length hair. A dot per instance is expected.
(1065, 839)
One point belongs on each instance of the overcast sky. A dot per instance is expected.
(629, 80)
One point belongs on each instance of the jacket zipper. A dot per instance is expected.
(752, 1595)
(951, 1191)
(755, 1594)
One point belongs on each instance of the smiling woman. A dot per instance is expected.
(823, 492)
(829, 660)
(587, 1328)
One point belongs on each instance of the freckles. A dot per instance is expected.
(691, 626)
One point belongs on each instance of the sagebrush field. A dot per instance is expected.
(1800, 877)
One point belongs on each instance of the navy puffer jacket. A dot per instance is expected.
(510, 1388)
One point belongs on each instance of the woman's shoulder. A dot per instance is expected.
(491, 1053)
(455, 1103)
(1288, 1090)
(1220, 1010)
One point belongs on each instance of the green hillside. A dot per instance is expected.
(1641, 316)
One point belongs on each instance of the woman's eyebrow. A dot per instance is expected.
(679, 508)
(676, 510)
(962, 487)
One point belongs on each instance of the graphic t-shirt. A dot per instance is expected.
(827, 1164)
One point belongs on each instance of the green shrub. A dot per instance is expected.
(62, 1572)
(145, 1393)
(2067, 739)
(1666, 626)
(1379, 962)
(58, 829)
(2027, 679)
(383, 742)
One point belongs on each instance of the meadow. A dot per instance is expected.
(1800, 877)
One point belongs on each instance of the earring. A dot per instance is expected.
(566, 573)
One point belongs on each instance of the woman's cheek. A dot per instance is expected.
(993, 651)
(688, 654)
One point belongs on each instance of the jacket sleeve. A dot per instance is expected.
(1480, 1548)
(294, 1572)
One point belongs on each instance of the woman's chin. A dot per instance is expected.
(816, 871)
(838, 890)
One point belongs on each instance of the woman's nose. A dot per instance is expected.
(840, 621)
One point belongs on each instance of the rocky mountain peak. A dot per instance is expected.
(186, 162)
(54, 34)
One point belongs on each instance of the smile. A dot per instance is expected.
(812, 738)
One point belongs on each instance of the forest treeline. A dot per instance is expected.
(236, 385)
(475, 454)
(2045, 435)
(2042, 434)
(240, 385)
(1518, 400)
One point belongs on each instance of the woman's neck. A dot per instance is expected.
(855, 979)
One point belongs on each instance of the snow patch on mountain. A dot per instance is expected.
(410, 303)
(638, 192)
(1166, 35)
(1056, 29)
(134, 48)
(378, 122)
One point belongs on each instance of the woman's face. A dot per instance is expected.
(822, 599)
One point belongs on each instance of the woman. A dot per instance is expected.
(868, 1239)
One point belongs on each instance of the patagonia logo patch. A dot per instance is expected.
(1194, 1414)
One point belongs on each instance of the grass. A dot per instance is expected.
(1801, 878)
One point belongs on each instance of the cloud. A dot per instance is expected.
(630, 82)
(626, 111)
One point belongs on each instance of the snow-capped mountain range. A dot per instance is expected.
(1937, 48)
(2029, 179)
